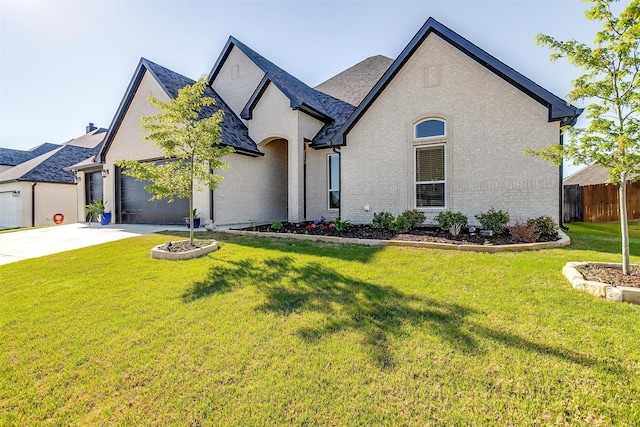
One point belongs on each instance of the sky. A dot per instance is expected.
(65, 63)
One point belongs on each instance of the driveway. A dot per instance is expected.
(33, 243)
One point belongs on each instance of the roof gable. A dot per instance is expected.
(234, 132)
(302, 97)
(559, 109)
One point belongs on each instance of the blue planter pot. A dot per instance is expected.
(105, 218)
(196, 222)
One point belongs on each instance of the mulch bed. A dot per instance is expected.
(611, 276)
(365, 231)
(184, 245)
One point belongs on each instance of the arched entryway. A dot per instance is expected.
(276, 185)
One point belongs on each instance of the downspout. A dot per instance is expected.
(337, 151)
(211, 215)
(304, 180)
(561, 189)
(33, 204)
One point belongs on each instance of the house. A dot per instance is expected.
(10, 157)
(37, 190)
(442, 127)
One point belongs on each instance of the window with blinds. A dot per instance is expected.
(430, 176)
(333, 166)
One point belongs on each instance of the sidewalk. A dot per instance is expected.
(33, 243)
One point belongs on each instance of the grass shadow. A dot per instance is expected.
(377, 313)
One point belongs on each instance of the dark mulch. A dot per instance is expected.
(611, 276)
(184, 245)
(365, 231)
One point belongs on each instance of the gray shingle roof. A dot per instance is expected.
(49, 167)
(354, 83)
(52, 169)
(11, 157)
(234, 131)
(324, 107)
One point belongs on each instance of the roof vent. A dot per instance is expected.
(91, 128)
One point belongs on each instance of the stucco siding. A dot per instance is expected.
(317, 185)
(237, 80)
(489, 125)
(55, 198)
(50, 199)
(315, 190)
(254, 189)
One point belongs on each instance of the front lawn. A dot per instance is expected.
(270, 331)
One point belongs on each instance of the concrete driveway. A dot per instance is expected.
(33, 243)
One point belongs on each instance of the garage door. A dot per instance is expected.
(9, 213)
(135, 207)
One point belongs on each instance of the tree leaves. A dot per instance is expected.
(187, 132)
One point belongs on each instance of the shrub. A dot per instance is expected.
(545, 226)
(455, 228)
(382, 220)
(414, 217)
(400, 225)
(523, 233)
(493, 220)
(446, 219)
(340, 225)
(276, 225)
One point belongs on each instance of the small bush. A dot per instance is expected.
(493, 220)
(400, 225)
(455, 228)
(340, 225)
(523, 233)
(382, 220)
(545, 226)
(414, 217)
(276, 225)
(446, 219)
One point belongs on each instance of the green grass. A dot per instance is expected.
(268, 332)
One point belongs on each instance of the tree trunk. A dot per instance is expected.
(191, 216)
(624, 225)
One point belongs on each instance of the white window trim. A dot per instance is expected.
(416, 147)
(329, 189)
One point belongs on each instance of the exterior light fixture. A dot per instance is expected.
(105, 172)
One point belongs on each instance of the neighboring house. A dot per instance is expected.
(442, 127)
(33, 191)
(10, 157)
(589, 197)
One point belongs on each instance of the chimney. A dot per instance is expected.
(91, 128)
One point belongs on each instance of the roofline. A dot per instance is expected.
(247, 111)
(559, 110)
(122, 109)
(224, 54)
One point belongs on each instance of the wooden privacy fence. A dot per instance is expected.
(600, 202)
(572, 203)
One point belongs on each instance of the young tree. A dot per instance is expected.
(611, 83)
(189, 140)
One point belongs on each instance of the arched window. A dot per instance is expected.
(430, 128)
(430, 163)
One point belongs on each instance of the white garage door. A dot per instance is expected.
(9, 213)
